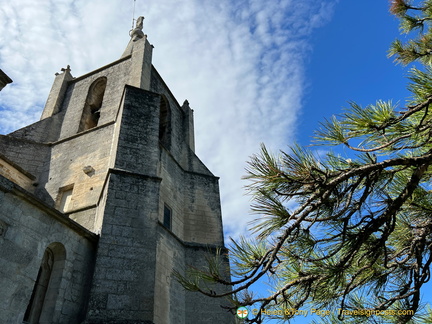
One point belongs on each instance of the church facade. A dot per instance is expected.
(103, 198)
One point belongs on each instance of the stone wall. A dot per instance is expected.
(77, 91)
(80, 162)
(170, 295)
(194, 200)
(175, 304)
(137, 132)
(202, 213)
(123, 286)
(179, 124)
(29, 155)
(27, 229)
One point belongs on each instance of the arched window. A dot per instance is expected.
(164, 121)
(45, 291)
(91, 111)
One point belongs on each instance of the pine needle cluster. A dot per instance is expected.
(415, 17)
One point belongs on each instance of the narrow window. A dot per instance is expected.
(44, 296)
(64, 198)
(91, 111)
(167, 220)
(34, 308)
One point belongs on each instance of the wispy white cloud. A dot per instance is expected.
(239, 63)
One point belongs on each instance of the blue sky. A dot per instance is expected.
(349, 63)
(253, 71)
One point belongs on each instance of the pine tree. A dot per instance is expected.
(348, 233)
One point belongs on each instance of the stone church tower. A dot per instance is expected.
(102, 199)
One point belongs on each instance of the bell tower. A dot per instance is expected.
(117, 157)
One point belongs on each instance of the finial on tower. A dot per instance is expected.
(137, 32)
(139, 23)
